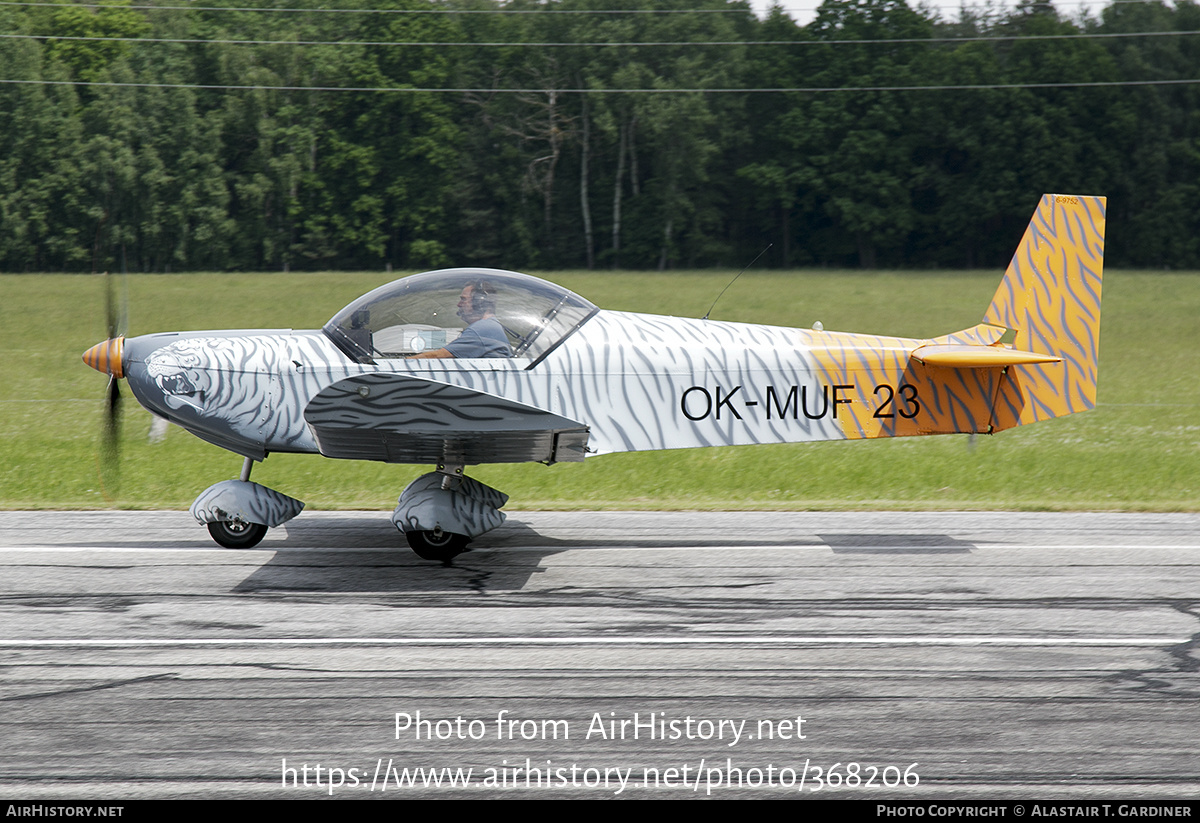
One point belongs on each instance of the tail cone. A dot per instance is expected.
(106, 357)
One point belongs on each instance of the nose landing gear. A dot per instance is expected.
(238, 512)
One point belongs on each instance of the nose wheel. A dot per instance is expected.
(237, 535)
(238, 512)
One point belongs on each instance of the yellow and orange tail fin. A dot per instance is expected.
(971, 381)
(1050, 296)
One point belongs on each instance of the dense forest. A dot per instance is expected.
(158, 136)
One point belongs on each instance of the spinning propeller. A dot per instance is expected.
(106, 357)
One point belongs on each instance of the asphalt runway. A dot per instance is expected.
(935, 657)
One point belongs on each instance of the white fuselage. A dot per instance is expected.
(638, 382)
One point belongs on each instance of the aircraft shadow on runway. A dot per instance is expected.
(343, 555)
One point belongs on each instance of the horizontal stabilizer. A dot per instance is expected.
(978, 357)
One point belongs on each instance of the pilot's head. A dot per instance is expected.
(477, 301)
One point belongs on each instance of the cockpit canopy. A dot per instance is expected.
(419, 313)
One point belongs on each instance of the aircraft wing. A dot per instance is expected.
(399, 418)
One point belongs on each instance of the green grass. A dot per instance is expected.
(1139, 450)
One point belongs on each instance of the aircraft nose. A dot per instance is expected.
(106, 357)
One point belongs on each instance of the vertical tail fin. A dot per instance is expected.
(1050, 296)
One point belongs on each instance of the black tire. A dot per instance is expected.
(437, 545)
(237, 535)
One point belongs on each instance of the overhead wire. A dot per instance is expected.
(623, 43)
(385, 11)
(501, 90)
(500, 11)
(528, 44)
(627, 44)
(978, 9)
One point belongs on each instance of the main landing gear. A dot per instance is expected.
(442, 511)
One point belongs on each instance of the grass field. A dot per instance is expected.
(1138, 450)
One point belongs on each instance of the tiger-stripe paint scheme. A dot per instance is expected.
(621, 381)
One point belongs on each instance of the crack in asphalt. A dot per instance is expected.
(115, 684)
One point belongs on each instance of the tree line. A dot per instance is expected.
(689, 133)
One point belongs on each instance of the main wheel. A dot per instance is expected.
(437, 545)
(237, 535)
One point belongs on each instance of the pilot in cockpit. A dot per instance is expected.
(483, 336)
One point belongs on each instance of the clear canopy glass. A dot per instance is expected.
(419, 313)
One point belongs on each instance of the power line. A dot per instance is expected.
(623, 44)
(504, 12)
(155, 7)
(438, 43)
(789, 90)
(388, 11)
(979, 10)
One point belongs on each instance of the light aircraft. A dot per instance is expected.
(567, 380)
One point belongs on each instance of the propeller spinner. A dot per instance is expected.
(106, 357)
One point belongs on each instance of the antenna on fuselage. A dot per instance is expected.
(731, 282)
